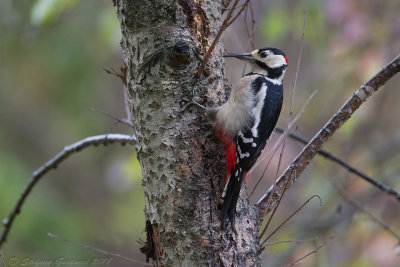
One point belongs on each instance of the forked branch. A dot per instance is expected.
(346, 165)
(225, 24)
(104, 139)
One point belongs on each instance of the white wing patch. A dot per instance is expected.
(242, 155)
(245, 140)
(259, 98)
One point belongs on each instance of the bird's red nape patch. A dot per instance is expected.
(230, 152)
(286, 59)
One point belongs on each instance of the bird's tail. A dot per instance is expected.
(231, 196)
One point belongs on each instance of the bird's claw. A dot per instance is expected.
(193, 102)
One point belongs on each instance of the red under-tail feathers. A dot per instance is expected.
(230, 152)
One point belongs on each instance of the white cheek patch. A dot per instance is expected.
(275, 61)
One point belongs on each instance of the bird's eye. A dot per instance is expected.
(263, 54)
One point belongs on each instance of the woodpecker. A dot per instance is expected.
(247, 119)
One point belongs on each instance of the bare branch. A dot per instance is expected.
(269, 200)
(127, 104)
(253, 26)
(290, 241)
(312, 252)
(104, 139)
(290, 216)
(291, 102)
(102, 251)
(346, 165)
(125, 122)
(245, 22)
(244, 6)
(298, 63)
(120, 75)
(2, 260)
(251, 36)
(270, 218)
(272, 153)
(226, 3)
(225, 24)
(372, 216)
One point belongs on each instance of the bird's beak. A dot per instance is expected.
(242, 56)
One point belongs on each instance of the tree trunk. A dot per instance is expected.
(182, 161)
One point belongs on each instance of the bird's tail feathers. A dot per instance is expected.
(231, 196)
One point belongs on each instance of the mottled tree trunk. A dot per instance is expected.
(163, 42)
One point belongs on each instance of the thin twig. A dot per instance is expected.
(372, 216)
(268, 201)
(265, 169)
(122, 76)
(290, 241)
(251, 36)
(291, 122)
(215, 41)
(253, 26)
(290, 216)
(276, 177)
(310, 253)
(245, 22)
(225, 24)
(248, 35)
(104, 139)
(125, 122)
(127, 103)
(346, 165)
(226, 4)
(238, 14)
(102, 251)
(235, 7)
(298, 63)
(292, 98)
(2, 260)
(270, 217)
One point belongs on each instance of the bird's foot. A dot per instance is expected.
(193, 102)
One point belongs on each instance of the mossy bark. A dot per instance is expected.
(182, 160)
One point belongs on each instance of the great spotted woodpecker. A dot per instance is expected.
(247, 119)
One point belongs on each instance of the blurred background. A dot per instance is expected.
(52, 55)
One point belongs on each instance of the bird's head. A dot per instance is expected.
(270, 62)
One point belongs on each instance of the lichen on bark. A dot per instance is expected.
(182, 161)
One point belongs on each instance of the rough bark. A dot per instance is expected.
(182, 161)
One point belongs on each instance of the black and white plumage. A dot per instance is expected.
(249, 117)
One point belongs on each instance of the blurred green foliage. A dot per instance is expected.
(51, 74)
(45, 11)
